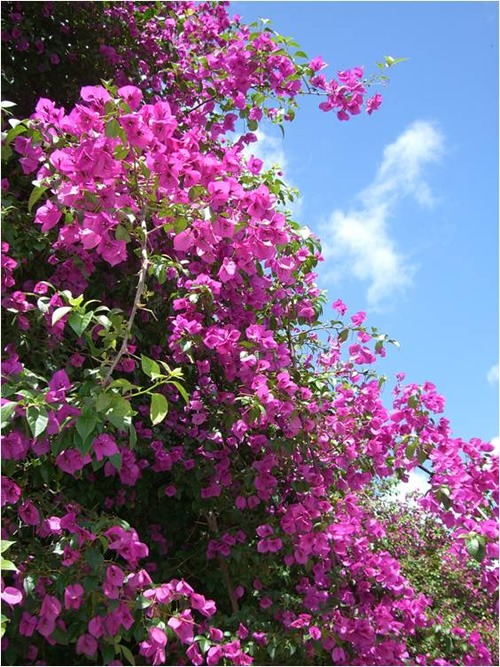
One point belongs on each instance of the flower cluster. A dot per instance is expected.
(187, 459)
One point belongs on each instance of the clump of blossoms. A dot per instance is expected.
(187, 461)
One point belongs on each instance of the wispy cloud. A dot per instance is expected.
(269, 149)
(492, 375)
(417, 482)
(359, 239)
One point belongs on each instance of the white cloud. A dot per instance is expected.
(496, 444)
(359, 239)
(492, 375)
(417, 482)
(268, 149)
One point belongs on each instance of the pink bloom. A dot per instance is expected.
(183, 626)
(96, 626)
(340, 307)
(264, 530)
(46, 625)
(28, 624)
(358, 318)
(86, 645)
(11, 492)
(131, 95)
(73, 596)
(317, 64)
(28, 513)
(104, 445)
(47, 216)
(205, 607)
(70, 461)
(11, 595)
(114, 575)
(194, 655)
(154, 646)
(373, 103)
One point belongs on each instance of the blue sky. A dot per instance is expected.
(406, 201)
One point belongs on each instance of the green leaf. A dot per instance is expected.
(35, 195)
(94, 558)
(7, 565)
(14, 132)
(5, 544)
(121, 152)
(38, 419)
(85, 424)
(103, 402)
(120, 412)
(7, 411)
(158, 409)
(150, 367)
(80, 321)
(116, 461)
(127, 654)
(181, 390)
(344, 335)
(113, 128)
(476, 547)
(59, 313)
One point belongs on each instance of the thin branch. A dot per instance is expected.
(212, 524)
(137, 299)
(429, 472)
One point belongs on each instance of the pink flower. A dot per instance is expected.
(373, 103)
(358, 318)
(114, 575)
(205, 607)
(47, 216)
(73, 596)
(10, 491)
(27, 624)
(46, 625)
(154, 647)
(28, 513)
(71, 461)
(264, 530)
(194, 655)
(104, 445)
(11, 595)
(340, 306)
(183, 626)
(317, 64)
(86, 645)
(131, 95)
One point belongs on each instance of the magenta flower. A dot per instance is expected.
(154, 647)
(28, 513)
(183, 626)
(73, 596)
(11, 595)
(86, 645)
(104, 445)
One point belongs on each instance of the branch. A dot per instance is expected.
(212, 524)
(137, 299)
(429, 472)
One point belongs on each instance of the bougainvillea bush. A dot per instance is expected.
(191, 450)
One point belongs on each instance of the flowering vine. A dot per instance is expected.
(189, 466)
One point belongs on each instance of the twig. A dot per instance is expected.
(212, 524)
(138, 294)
